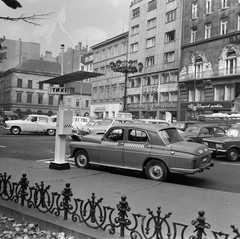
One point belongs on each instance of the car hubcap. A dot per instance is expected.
(82, 160)
(156, 171)
(233, 155)
(15, 131)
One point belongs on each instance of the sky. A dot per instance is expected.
(71, 21)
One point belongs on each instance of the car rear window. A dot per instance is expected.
(170, 136)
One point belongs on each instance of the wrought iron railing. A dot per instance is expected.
(93, 214)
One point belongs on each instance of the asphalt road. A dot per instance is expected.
(223, 176)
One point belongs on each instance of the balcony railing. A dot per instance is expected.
(224, 72)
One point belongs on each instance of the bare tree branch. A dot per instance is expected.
(29, 19)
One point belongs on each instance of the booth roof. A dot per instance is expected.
(72, 77)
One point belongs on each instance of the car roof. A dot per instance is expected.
(204, 125)
(144, 126)
(38, 115)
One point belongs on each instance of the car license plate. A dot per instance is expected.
(204, 160)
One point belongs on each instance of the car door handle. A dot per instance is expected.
(121, 144)
(148, 146)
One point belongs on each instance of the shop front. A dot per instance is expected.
(166, 111)
(190, 110)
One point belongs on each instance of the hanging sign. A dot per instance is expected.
(60, 91)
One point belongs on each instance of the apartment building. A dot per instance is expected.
(108, 90)
(155, 40)
(210, 66)
(21, 92)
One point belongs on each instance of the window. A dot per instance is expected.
(40, 86)
(30, 84)
(207, 30)
(103, 54)
(223, 26)
(152, 5)
(169, 77)
(198, 67)
(136, 12)
(224, 3)
(194, 10)
(150, 42)
(137, 136)
(40, 99)
(109, 52)
(50, 100)
(164, 96)
(151, 23)
(115, 50)
(171, 16)
(135, 29)
(193, 35)
(19, 97)
(169, 56)
(231, 62)
(219, 92)
(170, 36)
(29, 98)
(150, 61)
(134, 47)
(19, 83)
(208, 6)
(115, 135)
(87, 103)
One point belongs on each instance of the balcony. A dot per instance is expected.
(224, 72)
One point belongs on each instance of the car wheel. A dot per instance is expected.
(51, 132)
(81, 159)
(232, 155)
(156, 170)
(15, 130)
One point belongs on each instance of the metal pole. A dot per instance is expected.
(125, 93)
(194, 86)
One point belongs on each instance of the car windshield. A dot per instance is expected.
(233, 133)
(93, 123)
(192, 129)
(170, 136)
(105, 122)
(26, 117)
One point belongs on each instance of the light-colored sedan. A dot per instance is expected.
(31, 123)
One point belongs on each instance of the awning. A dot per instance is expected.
(71, 77)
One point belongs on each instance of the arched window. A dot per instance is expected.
(231, 62)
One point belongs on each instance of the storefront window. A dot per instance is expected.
(219, 92)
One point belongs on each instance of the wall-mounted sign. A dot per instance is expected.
(137, 107)
(205, 106)
(60, 91)
(150, 89)
(166, 105)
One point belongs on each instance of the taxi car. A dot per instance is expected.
(154, 149)
(32, 123)
(228, 145)
(196, 132)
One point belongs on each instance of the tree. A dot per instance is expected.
(3, 54)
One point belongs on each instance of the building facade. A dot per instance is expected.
(17, 52)
(210, 67)
(21, 90)
(108, 90)
(155, 40)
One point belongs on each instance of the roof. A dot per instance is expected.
(34, 65)
(72, 77)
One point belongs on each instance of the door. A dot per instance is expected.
(30, 125)
(136, 149)
(111, 148)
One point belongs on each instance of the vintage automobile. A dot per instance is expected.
(228, 145)
(152, 121)
(196, 132)
(102, 126)
(154, 149)
(182, 125)
(32, 123)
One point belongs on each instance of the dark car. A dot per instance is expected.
(196, 132)
(154, 149)
(228, 145)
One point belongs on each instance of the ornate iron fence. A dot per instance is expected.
(92, 213)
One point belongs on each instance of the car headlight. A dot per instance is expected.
(219, 146)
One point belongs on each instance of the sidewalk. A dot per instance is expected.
(221, 208)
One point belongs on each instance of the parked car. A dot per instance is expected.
(75, 135)
(182, 125)
(228, 145)
(196, 132)
(157, 150)
(103, 126)
(152, 121)
(79, 121)
(31, 123)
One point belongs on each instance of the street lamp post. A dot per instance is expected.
(125, 68)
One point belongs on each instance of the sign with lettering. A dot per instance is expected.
(166, 105)
(150, 89)
(204, 106)
(60, 91)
